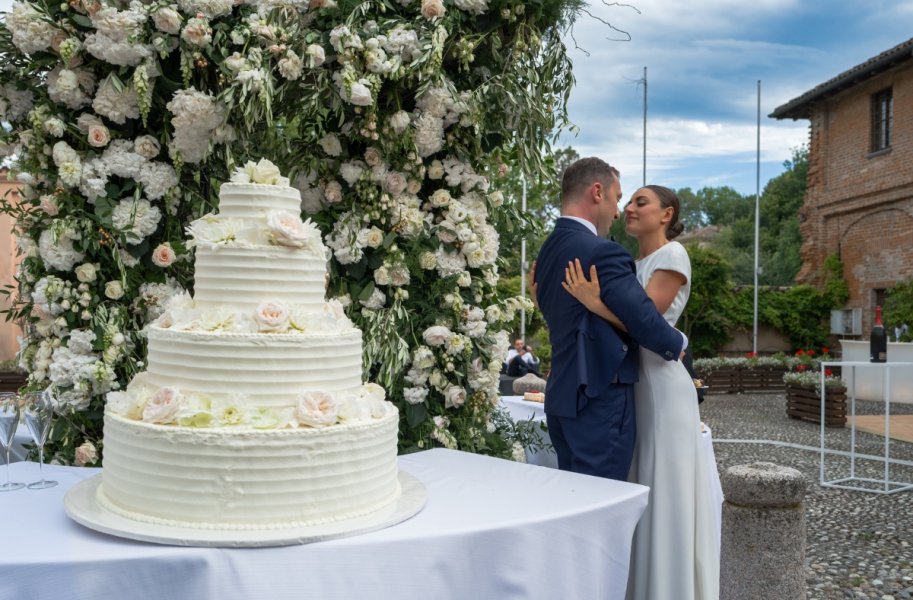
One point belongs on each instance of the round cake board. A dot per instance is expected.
(82, 507)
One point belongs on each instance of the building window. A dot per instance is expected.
(882, 119)
(880, 295)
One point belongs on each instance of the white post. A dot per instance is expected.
(523, 266)
(757, 226)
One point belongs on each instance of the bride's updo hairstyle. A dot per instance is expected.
(668, 199)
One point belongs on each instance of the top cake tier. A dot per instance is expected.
(253, 200)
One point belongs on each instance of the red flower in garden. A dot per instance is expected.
(801, 367)
(800, 352)
(825, 350)
(810, 352)
(828, 373)
(751, 355)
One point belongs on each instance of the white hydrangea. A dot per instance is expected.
(290, 66)
(81, 341)
(118, 106)
(70, 87)
(57, 251)
(449, 263)
(196, 115)
(93, 179)
(157, 178)
(352, 171)
(210, 8)
(403, 43)
(376, 301)
(30, 32)
(429, 134)
(415, 395)
(120, 159)
(15, 103)
(137, 219)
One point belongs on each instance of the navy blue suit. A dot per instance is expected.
(589, 395)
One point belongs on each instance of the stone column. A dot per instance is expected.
(763, 538)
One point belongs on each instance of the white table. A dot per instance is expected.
(17, 450)
(522, 410)
(491, 529)
(884, 485)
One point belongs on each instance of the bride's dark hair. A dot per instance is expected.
(668, 199)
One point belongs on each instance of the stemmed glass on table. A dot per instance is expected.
(9, 420)
(39, 410)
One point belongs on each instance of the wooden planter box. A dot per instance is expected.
(12, 379)
(804, 402)
(736, 380)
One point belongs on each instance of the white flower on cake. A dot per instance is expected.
(287, 229)
(352, 409)
(316, 409)
(272, 316)
(216, 320)
(162, 406)
(195, 411)
(263, 172)
(213, 230)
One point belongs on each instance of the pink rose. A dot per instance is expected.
(286, 229)
(372, 156)
(49, 205)
(272, 316)
(99, 136)
(432, 9)
(395, 183)
(163, 255)
(85, 454)
(333, 192)
(163, 406)
(316, 409)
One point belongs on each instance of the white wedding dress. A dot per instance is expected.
(675, 554)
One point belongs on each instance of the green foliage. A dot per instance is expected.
(835, 286)
(898, 308)
(708, 318)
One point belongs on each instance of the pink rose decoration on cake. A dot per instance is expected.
(162, 406)
(272, 316)
(286, 229)
(316, 409)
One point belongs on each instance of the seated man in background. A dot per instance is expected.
(524, 362)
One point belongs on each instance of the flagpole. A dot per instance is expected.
(523, 266)
(757, 224)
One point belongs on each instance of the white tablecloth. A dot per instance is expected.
(491, 529)
(17, 451)
(521, 410)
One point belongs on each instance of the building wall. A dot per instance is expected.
(8, 260)
(859, 204)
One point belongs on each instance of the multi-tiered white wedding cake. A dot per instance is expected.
(251, 413)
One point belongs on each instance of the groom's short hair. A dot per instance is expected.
(583, 173)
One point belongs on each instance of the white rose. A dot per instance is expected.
(167, 20)
(54, 127)
(399, 121)
(146, 146)
(236, 62)
(432, 9)
(435, 170)
(496, 198)
(162, 406)
(316, 409)
(264, 172)
(86, 272)
(372, 156)
(454, 397)
(316, 55)
(114, 290)
(163, 255)
(464, 279)
(437, 335)
(374, 237)
(373, 391)
(395, 183)
(286, 229)
(272, 316)
(440, 198)
(427, 260)
(382, 275)
(352, 409)
(360, 94)
(330, 144)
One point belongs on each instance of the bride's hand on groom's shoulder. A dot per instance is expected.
(577, 285)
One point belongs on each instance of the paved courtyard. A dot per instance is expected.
(859, 545)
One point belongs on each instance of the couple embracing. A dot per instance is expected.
(618, 402)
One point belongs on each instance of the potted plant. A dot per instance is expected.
(803, 396)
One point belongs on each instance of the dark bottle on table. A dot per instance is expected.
(878, 340)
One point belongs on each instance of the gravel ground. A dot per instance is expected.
(859, 544)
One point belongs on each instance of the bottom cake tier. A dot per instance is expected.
(248, 479)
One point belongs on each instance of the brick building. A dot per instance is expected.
(859, 201)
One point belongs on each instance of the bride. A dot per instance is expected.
(675, 552)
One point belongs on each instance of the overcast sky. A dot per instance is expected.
(704, 58)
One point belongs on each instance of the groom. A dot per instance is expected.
(589, 396)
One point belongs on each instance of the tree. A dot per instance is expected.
(705, 320)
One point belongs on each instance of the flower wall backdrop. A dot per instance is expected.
(395, 119)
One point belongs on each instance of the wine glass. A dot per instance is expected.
(9, 420)
(39, 409)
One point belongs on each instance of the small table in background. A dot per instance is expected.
(884, 485)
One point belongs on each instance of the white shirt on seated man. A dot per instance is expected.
(519, 344)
